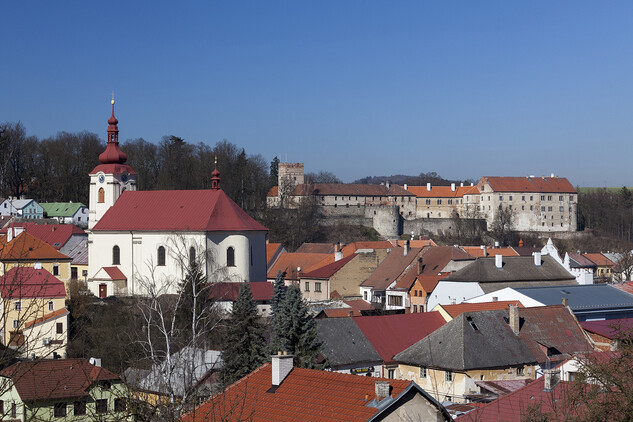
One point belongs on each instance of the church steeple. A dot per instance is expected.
(112, 153)
(215, 176)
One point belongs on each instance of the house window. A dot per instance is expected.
(510, 197)
(542, 197)
(307, 286)
(14, 410)
(16, 324)
(79, 408)
(17, 305)
(51, 305)
(116, 255)
(520, 371)
(60, 327)
(230, 257)
(101, 196)
(549, 197)
(439, 202)
(119, 405)
(59, 410)
(56, 270)
(395, 300)
(560, 209)
(102, 405)
(415, 309)
(423, 372)
(317, 287)
(161, 256)
(428, 202)
(522, 197)
(192, 256)
(392, 373)
(500, 197)
(365, 295)
(448, 376)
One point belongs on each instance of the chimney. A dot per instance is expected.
(9, 234)
(282, 365)
(550, 379)
(338, 254)
(537, 259)
(514, 319)
(406, 247)
(461, 185)
(565, 301)
(382, 390)
(428, 187)
(95, 361)
(350, 313)
(406, 187)
(499, 261)
(453, 187)
(495, 298)
(496, 244)
(388, 184)
(552, 176)
(484, 248)
(420, 266)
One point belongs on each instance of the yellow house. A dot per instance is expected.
(21, 249)
(34, 319)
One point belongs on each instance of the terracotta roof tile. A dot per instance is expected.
(26, 282)
(47, 317)
(55, 235)
(176, 210)
(443, 191)
(455, 310)
(290, 261)
(305, 394)
(529, 184)
(610, 328)
(367, 245)
(329, 270)
(599, 259)
(476, 251)
(26, 247)
(316, 248)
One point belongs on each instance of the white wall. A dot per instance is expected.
(506, 294)
(448, 292)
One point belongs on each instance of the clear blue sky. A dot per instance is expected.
(462, 88)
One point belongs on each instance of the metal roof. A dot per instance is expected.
(583, 297)
(343, 343)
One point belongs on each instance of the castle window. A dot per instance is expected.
(101, 195)
(230, 257)
(116, 255)
(161, 256)
(192, 256)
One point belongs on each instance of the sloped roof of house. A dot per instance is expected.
(272, 249)
(394, 264)
(61, 209)
(609, 328)
(328, 270)
(316, 248)
(55, 379)
(367, 245)
(599, 259)
(114, 273)
(627, 286)
(477, 252)
(305, 394)
(515, 269)
(55, 235)
(581, 297)
(79, 254)
(428, 282)
(391, 334)
(576, 260)
(26, 247)
(48, 317)
(529, 184)
(18, 204)
(177, 210)
(227, 291)
(343, 343)
(290, 261)
(27, 282)
(442, 191)
(458, 309)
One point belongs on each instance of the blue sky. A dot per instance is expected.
(358, 88)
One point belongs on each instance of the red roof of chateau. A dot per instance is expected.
(442, 191)
(55, 379)
(177, 210)
(529, 184)
(26, 282)
(305, 394)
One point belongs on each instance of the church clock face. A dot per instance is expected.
(101, 178)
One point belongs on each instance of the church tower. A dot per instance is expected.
(110, 178)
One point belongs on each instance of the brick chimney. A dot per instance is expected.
(382, 390)
(514, 319)
(282, 365)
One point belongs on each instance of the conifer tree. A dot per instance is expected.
(279, 294)
(245, 346)
(296, 329)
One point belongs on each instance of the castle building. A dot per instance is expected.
(143, 242)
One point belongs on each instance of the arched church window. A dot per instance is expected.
(192, 256)
(230, 257)
(101, 195)
(161, 256)
(116, 255)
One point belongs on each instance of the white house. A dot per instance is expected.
(152, 237)
(23, 208)
(67, 212)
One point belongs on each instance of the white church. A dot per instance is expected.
(144, 241)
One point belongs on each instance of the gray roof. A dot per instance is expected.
(470, 341)
(515, 269)
(584, 297)
(343, 343)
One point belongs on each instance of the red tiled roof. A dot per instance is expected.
(115, 273)
(316, 248)
(359, 304)
(391, 334)
(610, 328)
(47, 317)
(305, 394)
(113, 168)
(340, 312)
(599, 259)
(625, 287)
(177, 210)
(582, 261)
(273, 192)
(529, 184)
(26, 247)
(329, 270)
(455, 310)
(55, 379)
(372, 244)
(271, 249)
(55, 235)
(26, 282)
(290, 261)
(391, 268)
(442, 191)
(428, 282)
(415, 243)
(476, 251)
(261, 291)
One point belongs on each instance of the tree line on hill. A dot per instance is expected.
(609, 213)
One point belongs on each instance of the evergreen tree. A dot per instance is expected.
(296, 329)
(244, 349)
(279, 294)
